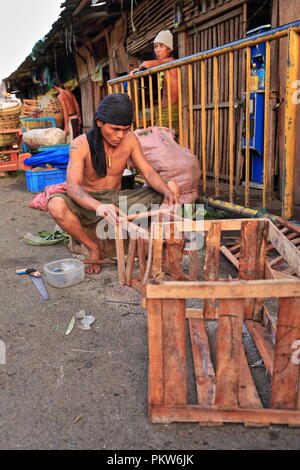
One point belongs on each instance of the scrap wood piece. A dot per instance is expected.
(286, 375)
(204, 371)
(263, 344)
(228, 352)
(211, 265)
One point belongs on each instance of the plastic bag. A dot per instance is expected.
(47, 136)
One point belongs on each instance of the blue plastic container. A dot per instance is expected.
(37, 180)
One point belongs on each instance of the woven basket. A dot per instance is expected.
(51, 107)
(9, 119)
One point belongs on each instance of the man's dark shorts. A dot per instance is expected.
(145, 196)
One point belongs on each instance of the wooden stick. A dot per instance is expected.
(99, 261)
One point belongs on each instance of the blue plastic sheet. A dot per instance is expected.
(57, 158)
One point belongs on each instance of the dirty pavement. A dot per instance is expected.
(87, 389)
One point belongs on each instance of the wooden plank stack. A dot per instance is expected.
(226, 390)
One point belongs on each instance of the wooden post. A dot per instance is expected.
(174, 347)
(155, 345)
(286, 374)
(211, 267)
(183, 51)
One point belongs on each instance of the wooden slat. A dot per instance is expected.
(174, 254)
(157, 250)
(211, 266)
(194, 265)
(229, 289)
(263, 344)
(130, 261)
(226, 252)
(286, 375)
(120, 253)
(204, 371)
(197, 413)
(248, 395)
(174, 352)
(228, 352)
(251, 259)
(155, 345)
(141, 256)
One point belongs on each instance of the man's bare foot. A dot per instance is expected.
(93, 268)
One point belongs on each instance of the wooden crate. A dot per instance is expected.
(226, 391)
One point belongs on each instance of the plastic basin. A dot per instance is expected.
(64, 272)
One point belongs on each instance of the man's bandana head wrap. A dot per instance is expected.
(113, 109)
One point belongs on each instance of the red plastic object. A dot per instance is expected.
(12, 152)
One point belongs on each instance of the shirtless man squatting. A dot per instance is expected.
(96, 164)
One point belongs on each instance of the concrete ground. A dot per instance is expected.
(87, 390)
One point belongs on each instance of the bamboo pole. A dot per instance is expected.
(136, 99)
(216, 122)
(180, 106)
(267, 125)
(191, 118)
(151, 100)
(143, 102)
(159, 100)
(231, 126)
(169, 99)
(203, 125)
(247, 155)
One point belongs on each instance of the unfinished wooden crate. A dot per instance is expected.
(225, 389)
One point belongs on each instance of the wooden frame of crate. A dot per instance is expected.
(226, 391)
